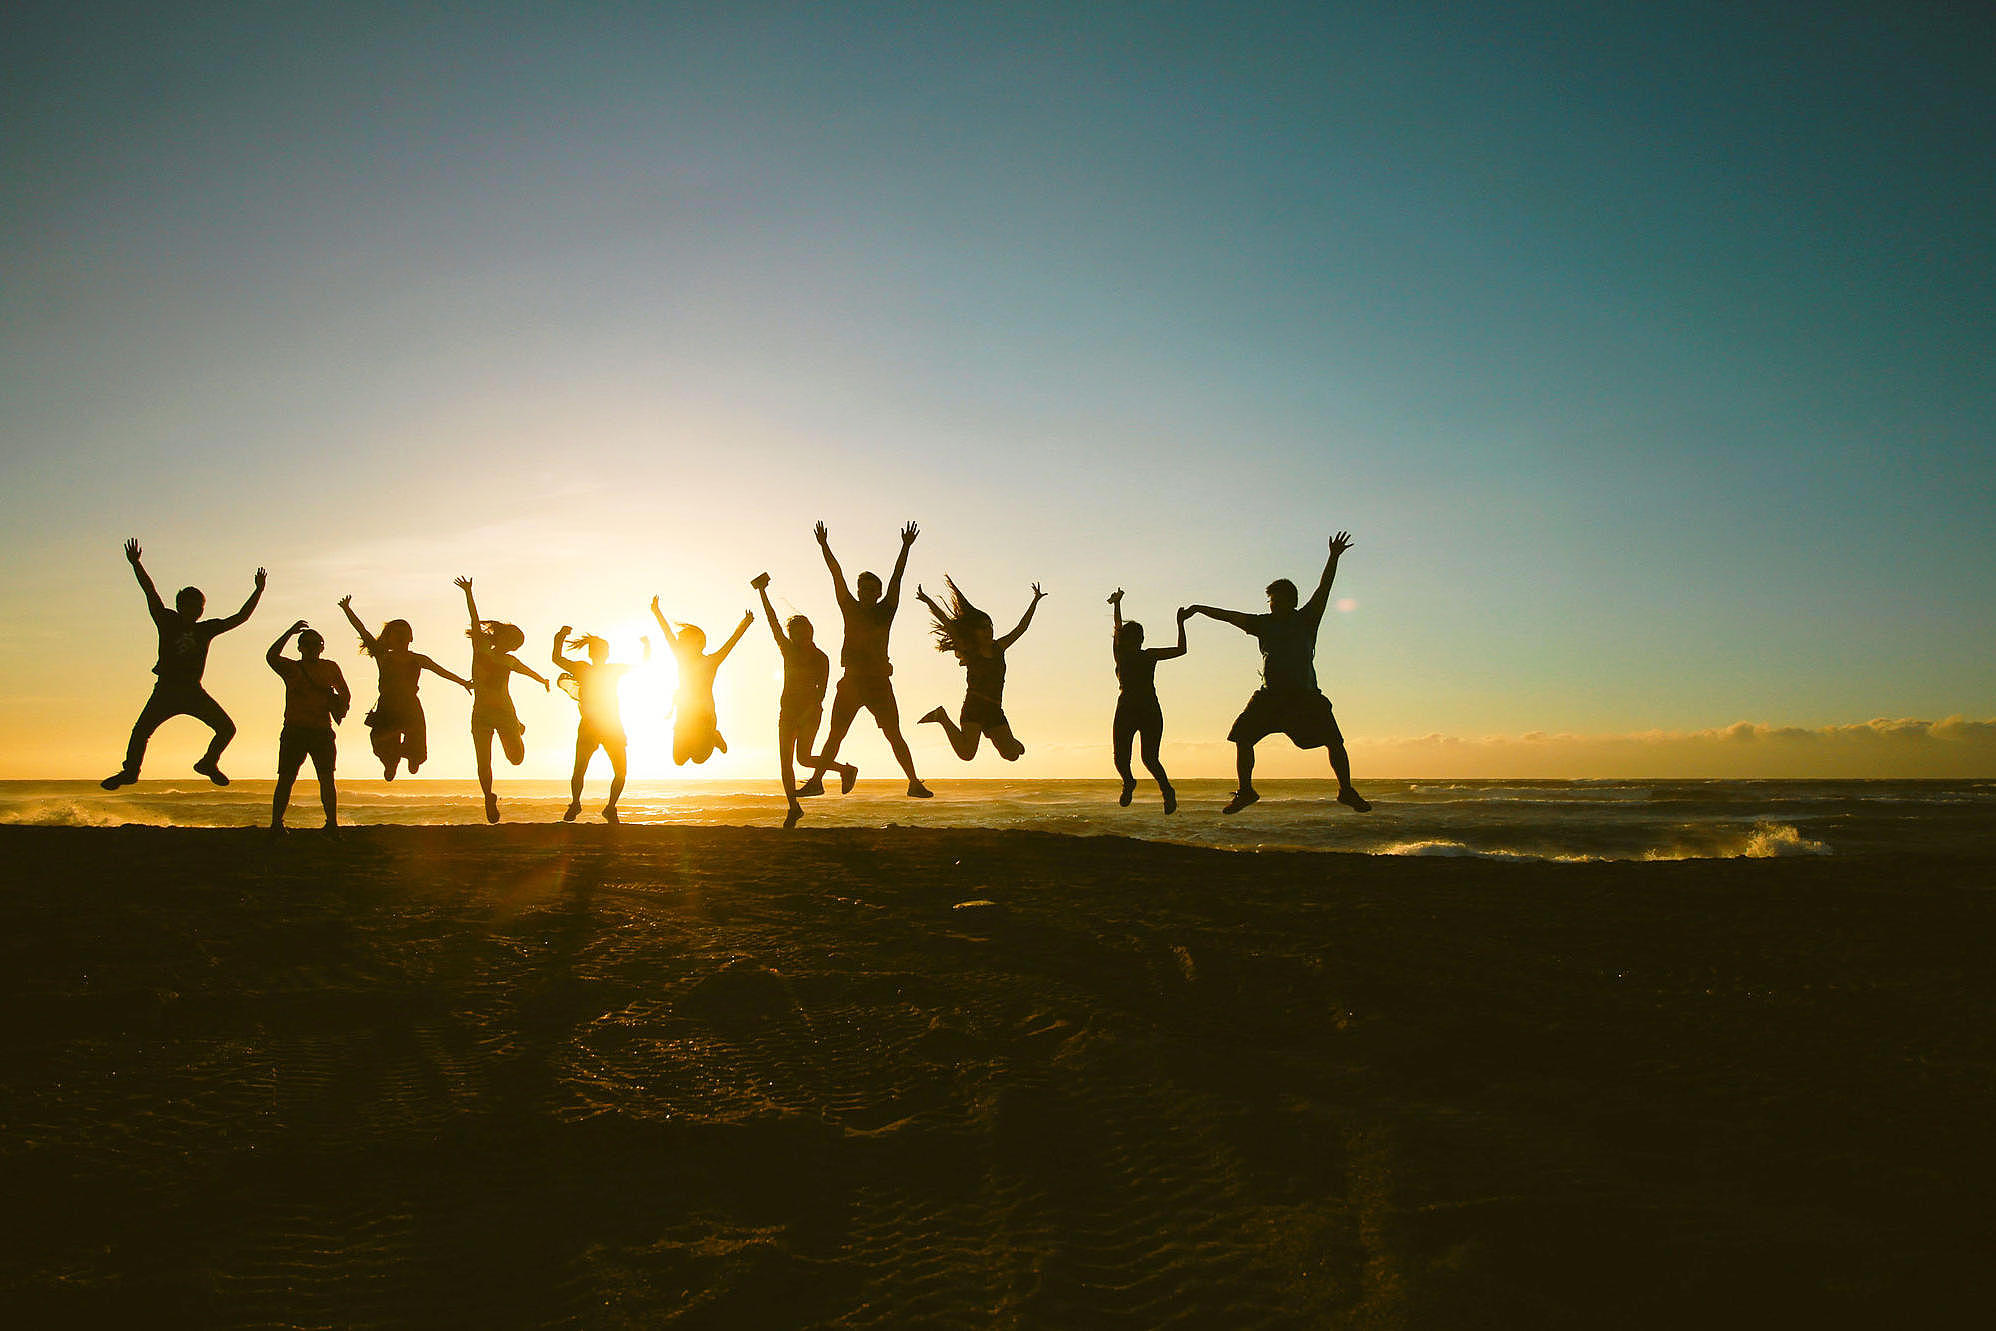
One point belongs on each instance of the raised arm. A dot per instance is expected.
(748, 618)
(892, 600)
(1319, 598)
(761, 585)
(562, 662)
(366, 638)
(276, 652)
(425, 663)
(1116, 617)
(665, 625)
(241, 617)
(1166, 653)
(470, 605)
(1240, 619)
(1024, 620)
(153, 603)
(520, 667)
(839, 588)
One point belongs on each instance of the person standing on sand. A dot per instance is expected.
(696, 731)
(1138, 713)
(493, 666)
(183, 657)
(963, 629)
(315, 699)
(396, 725)
(1288, 699)
(867, 680)
(593, 685)
(806, 671)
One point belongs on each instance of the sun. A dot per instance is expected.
(645, 696)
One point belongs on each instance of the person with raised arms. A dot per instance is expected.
(961, 628)
(315, 699)
(493, 666)
(867, 679)
(806, 673)
(1139, 716)
(183, 657)
(1288, 699)
(696, 731)
(593, 684)
(396, 726)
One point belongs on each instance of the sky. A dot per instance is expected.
(1646, 354)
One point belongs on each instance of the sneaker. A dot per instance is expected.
(491, 808)
(1170, 800)
(848, 778)
(609, 813)
(790, 818)
(1129, 793)
(1354, 799)
(568, 815)
(815, 786)
(916, 790)
(208, 768)
(1241, 799)
(124, 776)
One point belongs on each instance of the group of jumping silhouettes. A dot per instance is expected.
(316, 696)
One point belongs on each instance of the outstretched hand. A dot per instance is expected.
(1184, 613)
(1038, 595)
(464, 583)
(909, 533)
(1341, 543)
(654, 606)
(346, 603)
(1116, 597)
(261, 578)
(132, 550)
(821, 533)
(759, 581)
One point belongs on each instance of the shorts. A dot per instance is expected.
(985, 713)
(800, 718)
(1137, 712)
(297, 743)
(873, 692)
(499, 717)
(1305, 717)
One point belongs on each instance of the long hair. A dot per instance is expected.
(498, 635)
(958, 621)
(396, 629)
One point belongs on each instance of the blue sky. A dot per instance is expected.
(1647, 354)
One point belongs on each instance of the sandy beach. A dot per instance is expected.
(714, 1077)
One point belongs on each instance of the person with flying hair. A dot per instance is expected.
(493, 666)
(965, 631)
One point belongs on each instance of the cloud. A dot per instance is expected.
(1905, 747)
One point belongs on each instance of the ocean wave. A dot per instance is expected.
(1763, 841)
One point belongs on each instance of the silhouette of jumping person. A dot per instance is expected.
(593, 685)
(867, 680)
(963, 629)
(493, 666)
(806, 671)
(396, 725)
(183, 656)
(1138, 714)
(315, 699)
(1288, 699)
(696, 732)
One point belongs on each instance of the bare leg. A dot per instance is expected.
(329, 795)
(585, 749)
(209, 712)
(481, 745)
(844, 708)
(280, 798)
(618, 758)
(788, 742)
(1008, 745)
(1341, 767)
(805, 758)
(1244, 794)
(1151, 736)
(157, 711)
(963, 740)
(888, 713)
(1121, 735)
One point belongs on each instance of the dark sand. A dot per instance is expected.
(733, 1078)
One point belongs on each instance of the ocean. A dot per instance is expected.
(1527, 820)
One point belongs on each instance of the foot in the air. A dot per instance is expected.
(610, 813)
(569, 814)
(790, 819)
(277, 829)
(1170, 800)
(934, 714)
(815, 786)
(387, 771)
(848, 778)
(1241, 799)
(916, 790)
(491, 808)
(207, 767)
(1129, 793)
(1354, 799)
(124, 776)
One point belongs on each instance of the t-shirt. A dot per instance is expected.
(1136, 670)
(695, 691)
(865, 649)
(596, 694)
(183, 647)
(806, 669)
(1288, 649)
(308, 691)
(984, 676)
